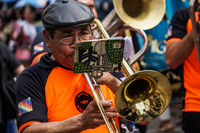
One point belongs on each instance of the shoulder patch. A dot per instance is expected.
(38, 47)
(25, 106)
(169, 32)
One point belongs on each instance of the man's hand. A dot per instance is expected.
(92, 118)
(108, 79)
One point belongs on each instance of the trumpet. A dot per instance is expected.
(143, 95)
(195, 28)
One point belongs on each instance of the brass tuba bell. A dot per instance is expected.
(140, 14)
(143, 96)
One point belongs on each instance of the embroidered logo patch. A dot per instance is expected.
(82, 100)
(38, 47)
(25, 106)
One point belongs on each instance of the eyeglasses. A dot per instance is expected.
(70, 40)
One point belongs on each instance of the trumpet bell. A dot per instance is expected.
(140, 14)
(143, 96)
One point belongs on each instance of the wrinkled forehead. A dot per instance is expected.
(73, 29)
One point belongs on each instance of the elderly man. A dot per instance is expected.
(49, 95)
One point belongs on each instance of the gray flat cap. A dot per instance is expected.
(66, 13)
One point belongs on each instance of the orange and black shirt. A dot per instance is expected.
(48, 91)
(179, 27)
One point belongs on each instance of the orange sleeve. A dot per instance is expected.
(37, 57)
(173, 39)
(26, 124)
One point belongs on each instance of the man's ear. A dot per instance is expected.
(47, 37)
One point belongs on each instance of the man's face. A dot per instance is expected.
(64, 43)
(91, 4)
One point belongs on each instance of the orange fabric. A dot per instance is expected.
(191, 78)
(172, 40)
(38, 56)
(60, 104)
(26, 124)
(189, 24)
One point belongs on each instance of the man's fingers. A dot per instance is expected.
(106, 103)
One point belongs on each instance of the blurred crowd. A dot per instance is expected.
(19, 24)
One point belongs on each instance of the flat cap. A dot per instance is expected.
(66, 13)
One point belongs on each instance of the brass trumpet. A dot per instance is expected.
(195, 28)
(143, 95)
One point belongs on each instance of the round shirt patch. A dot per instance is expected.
(82, 100)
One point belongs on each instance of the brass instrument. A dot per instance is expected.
(144, 95)
(140, 14)
(195, 28)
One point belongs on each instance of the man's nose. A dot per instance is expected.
(76, 40)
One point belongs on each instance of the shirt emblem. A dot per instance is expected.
(82, 100)
(169, 32)
(38, 47)
(25, 106)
